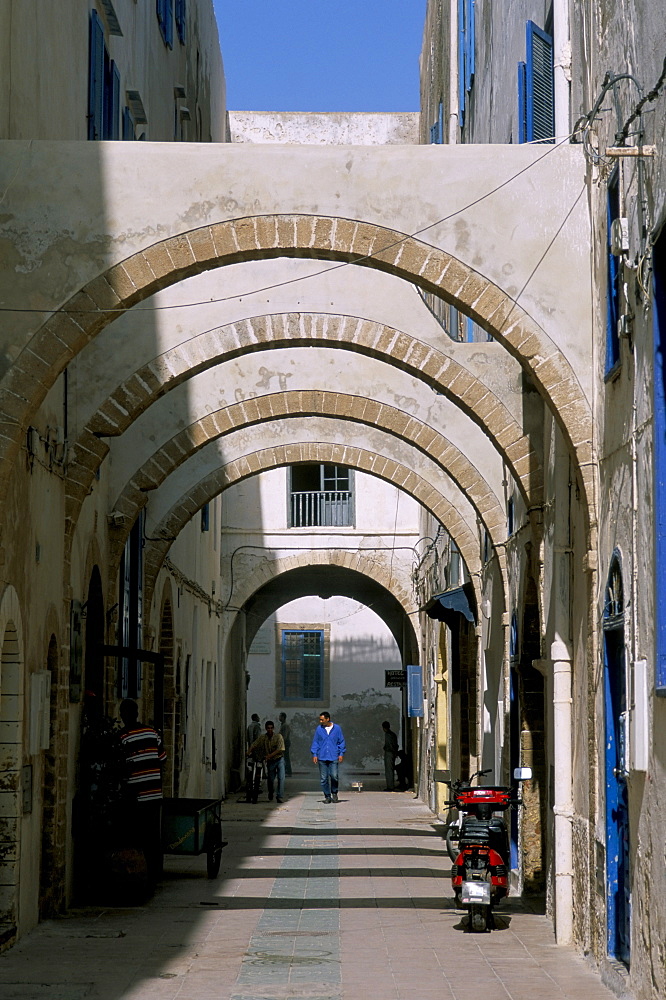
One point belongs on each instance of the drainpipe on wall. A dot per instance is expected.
(562, 67)
(453, 73)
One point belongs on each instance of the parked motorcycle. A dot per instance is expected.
(480, 873)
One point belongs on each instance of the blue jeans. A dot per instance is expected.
(328, 775)
(276, 769)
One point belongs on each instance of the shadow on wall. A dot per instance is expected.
(360, 715)
(365, 649)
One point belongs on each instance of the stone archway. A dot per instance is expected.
(182, 511)
(329, 238)
(298, 404)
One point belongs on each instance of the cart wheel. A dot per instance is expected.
(214, 853)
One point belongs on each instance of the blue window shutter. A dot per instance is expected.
(659, 388)
(539, 85)
(205, 517)
(164, 10)
(128, 125)
(96, 78)
(181, 11)
(522, 103)
(469, 330)
(613, 277)
(414, 691)
(469, 44)
(114, 103)
(437, 130)
(461, 62)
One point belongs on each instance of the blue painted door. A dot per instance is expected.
(618, 883)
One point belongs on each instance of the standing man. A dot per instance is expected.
(270, 747)
(285, 733)
(253, 730)
(328, 749)
(144, 757)
(390, 753)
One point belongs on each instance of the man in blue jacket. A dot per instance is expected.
(328, 749)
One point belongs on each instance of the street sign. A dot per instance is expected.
(395, 678)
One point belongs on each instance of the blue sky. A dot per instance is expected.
(321, 55)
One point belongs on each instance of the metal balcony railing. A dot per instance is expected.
(322, 509)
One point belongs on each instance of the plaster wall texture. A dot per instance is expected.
(420, 185)
(44, 73)
(324, 129)
(361, 648)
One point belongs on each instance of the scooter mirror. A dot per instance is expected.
(522, 773)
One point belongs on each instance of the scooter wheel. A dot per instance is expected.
(477, 919)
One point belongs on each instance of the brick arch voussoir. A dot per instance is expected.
(184, 509)
(299, 403)
(360, 562)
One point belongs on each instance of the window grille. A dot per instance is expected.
(302, 665)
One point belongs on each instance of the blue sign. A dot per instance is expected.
(414, 691)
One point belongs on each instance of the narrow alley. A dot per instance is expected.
(312, 901)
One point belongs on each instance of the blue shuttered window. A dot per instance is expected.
(659, 388)
(536, 99)
(96, 78)
(613, 278)
(103, 86)
(181, 10)
(164, 10)
(302, 665)
(466, 47)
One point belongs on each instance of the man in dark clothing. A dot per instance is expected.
(285, 733)
(144, 757)
(328, 749)
(253, 730)
(270, 748)
(390, 753)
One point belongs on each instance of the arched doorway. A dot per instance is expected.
(50, 875)
(11, 735)
(94, 659)
(618, 875)
(165, 709)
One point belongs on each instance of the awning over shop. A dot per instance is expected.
(444, 607)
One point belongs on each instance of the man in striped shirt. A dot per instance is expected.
(144, 757)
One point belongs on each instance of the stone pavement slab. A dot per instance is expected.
(313, 902)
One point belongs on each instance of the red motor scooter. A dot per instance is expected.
(480, 874)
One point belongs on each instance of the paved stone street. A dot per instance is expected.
(313, 901)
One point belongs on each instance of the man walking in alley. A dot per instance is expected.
(285, 733)
(144, 756)
(390, 753)
(328, 749)
(270, 748)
